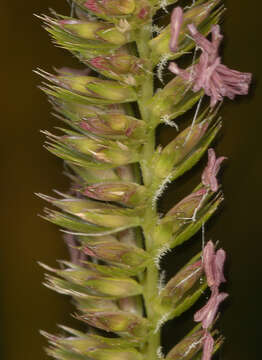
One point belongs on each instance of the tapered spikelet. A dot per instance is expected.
(130, 194)
(93, 283)
(134, 12)
(190, 143)
(96, 213)
(110, 111)
(94, 346)
(120, 66)
(92, 89)
(179, 287)
(188, 347)
(109, 7)
(113, 251)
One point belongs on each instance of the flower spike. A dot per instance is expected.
(207, 314)
(216, 79)
(213, 264)
(176, 23)
(211, 170)
(208, 345)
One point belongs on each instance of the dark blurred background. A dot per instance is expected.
(25, 305)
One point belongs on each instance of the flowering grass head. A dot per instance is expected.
(116, 236)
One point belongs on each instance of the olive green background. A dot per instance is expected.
(25, 305)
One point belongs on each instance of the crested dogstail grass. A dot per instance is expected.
(110, 112)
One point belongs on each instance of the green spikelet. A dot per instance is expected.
(114, 233)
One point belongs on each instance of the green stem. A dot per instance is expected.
(150, 217)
